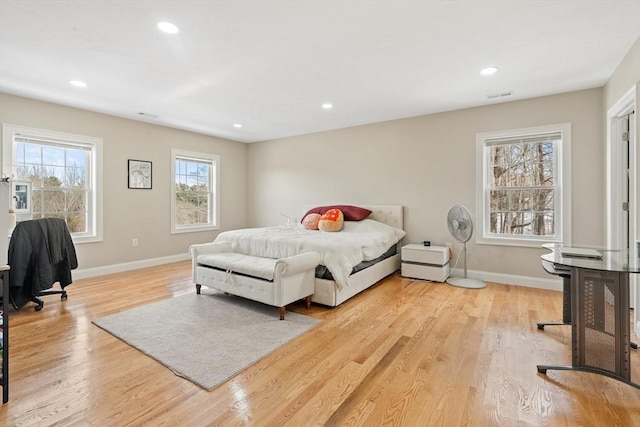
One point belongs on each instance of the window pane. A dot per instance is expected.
(203, 215)
(76, 158)
(53, 156)
(75, 177)
(519, 200)
(543, 199)
(521, 223)
(499, 222)
(498, 200)
(36, 200)
(61, 170)
(53, 176)
(498, 176)
(54, 202)
(76, 201)
(32, 153)
(203, 201)
(77, 222)
(51, 169)
(499, 155)
(192, 196)
(521, 185)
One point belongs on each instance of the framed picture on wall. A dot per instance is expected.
(140, 174)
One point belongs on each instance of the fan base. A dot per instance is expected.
(465, 282)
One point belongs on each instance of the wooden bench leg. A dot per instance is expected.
(198, 287)
(308, 300)
(282, 313)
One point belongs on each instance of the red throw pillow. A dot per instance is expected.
(351, 213)
(331, 220)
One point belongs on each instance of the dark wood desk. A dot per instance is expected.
(600, 331)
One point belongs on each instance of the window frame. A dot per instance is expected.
(95, 179)
(562, 175)
(214, 184)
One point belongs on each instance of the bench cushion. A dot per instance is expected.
(263, 268)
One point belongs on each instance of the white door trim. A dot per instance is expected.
(615, 171)
(614, 186)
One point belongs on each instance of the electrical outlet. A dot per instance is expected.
(134, 242)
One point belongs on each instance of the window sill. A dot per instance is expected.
(86, 239)
(194, 229)
(523, 243)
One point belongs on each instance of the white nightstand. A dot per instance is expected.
(425, 262)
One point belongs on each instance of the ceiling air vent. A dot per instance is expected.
(500, 94)
(149, 115)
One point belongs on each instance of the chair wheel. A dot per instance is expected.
(63, 297)
(541, 327)
(38, 307)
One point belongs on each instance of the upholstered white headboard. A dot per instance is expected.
(387, 214)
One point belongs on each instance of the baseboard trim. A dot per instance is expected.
(551, 283)
(126, 266)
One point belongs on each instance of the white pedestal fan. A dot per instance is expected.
(461, 228)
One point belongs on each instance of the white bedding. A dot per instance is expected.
(340, 251)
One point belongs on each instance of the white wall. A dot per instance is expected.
(129, 213)
(427, 164)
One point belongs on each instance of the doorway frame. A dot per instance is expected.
(615, 185)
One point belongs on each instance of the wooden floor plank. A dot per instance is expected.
(405, 352)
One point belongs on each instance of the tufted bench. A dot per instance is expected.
(275, 282)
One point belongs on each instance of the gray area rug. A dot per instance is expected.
(206, 338)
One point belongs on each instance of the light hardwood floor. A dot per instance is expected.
(403, 353)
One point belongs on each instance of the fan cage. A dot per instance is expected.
(460, 223)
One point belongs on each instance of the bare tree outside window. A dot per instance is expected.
(58, 176)
(523, 179)
(522, 185)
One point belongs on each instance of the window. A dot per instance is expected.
(524, 186)
(194, 188)
(64, 174)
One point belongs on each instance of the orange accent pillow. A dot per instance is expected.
(310, 222)
(331, 220)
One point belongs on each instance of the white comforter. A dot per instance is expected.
(340, 251)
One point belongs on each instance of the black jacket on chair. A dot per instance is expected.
(41, 253)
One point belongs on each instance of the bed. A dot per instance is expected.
(340, 275)
(328, 292)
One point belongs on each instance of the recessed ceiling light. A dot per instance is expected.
(77, 83)
(488, 71)
(237, 125)
(167, 27)
(327, 106)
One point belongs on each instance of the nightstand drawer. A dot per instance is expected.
(436, 255)
(425, 272)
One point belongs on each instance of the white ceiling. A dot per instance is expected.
(269, 65)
